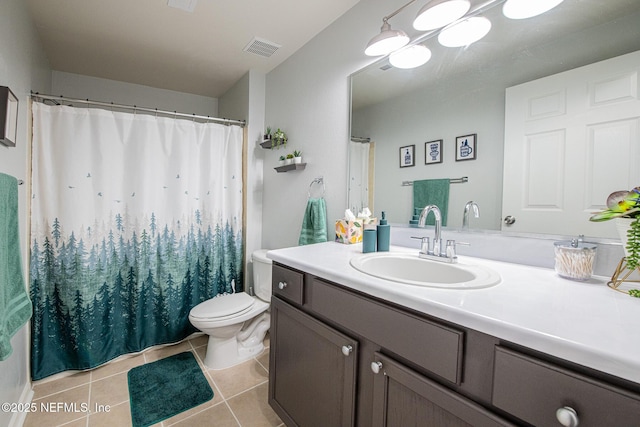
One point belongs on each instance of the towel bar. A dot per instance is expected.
(452, 181)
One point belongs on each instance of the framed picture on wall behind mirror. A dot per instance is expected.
(466, 147)
(407, 156)
(433, 152)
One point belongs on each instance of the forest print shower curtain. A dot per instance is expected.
(134, 220)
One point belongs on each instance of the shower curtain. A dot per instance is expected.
(358, 176)
(134, 220)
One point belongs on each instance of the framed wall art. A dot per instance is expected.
(8, 117)
(466, 147)
(433, 152)
(407, 156)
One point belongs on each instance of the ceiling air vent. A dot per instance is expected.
(261, 47)
(186, 5)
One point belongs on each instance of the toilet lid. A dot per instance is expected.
(221, 306)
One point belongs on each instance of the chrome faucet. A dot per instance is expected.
(437, 243)
(435, 253)
(471, 205)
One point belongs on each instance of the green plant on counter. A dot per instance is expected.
(297, 153)
(625, 204)
(289, 156)
(634, 293)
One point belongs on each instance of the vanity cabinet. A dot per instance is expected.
(343, 358)
(403, 397)
(314, 365)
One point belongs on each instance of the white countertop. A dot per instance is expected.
(583, 322)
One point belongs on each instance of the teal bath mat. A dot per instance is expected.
(162, 389)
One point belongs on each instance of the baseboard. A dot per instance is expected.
(17, 420)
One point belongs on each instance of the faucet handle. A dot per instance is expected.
(424, 246)
(451, 248)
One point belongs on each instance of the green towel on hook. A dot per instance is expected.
(314, 223)
(15, 306)
(432, 192)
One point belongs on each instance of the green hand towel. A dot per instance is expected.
(15, 306)
(314, 223)
(432, 192)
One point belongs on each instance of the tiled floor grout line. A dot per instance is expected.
(249, 389)
(233, 413)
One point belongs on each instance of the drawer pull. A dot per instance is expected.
(282, 285)
(567, 416)
(346, 350)
(376, 367)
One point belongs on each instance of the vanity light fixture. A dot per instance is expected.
(454, 22)
(465, 32)
(410, 57)
(440, 13)
(522, 9)
(387, 41)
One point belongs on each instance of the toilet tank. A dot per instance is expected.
(261, 274)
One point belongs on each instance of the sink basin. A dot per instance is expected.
(413, 270)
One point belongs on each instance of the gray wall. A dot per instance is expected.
(245, 100)
(308, 97)
(23, 67)
(97, 89)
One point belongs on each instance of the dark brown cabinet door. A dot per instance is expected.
(404, 398)
(312, 371)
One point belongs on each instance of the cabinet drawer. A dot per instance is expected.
(287, 283)
(435, 347)
(533, 390)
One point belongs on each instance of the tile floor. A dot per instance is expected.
(240, 394)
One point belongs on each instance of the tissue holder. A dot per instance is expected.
(350, 232)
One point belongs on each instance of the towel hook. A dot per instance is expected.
(319, 180)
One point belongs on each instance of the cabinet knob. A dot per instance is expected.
(346, 350)
(282, 285)
(567, 416)
(376, 367)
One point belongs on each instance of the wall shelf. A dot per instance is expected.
(266, 144)
(291, 167)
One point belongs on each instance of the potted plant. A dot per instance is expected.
(267, 134)
(279, 139)
(625, 207)
(297, 156)
(289, 159)
(282, 160)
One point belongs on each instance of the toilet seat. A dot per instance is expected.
(223, 307)
(226, 310)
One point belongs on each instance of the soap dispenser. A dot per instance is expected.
(384, 234)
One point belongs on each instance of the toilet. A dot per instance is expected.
(236, 323)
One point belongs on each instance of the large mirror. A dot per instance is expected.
(460, 92)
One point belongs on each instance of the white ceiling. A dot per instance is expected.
(149, 43)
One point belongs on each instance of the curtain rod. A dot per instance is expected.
(241, 123)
